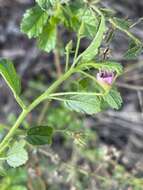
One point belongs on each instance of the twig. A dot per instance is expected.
(129, 86)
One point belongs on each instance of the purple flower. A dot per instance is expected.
(105, 77)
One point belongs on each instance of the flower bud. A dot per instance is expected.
(105, 78)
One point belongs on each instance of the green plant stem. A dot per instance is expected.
(5, 141)
(35, 103)
(67, 60)
(76, 93)
(76, 52)
(20, 102)
(55, 96)
(46, 94)
(77, 48)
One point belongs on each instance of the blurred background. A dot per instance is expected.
(100, 152)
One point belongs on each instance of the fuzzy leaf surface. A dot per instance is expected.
(33, 21)
(40, 135)
(84, 104)
(9, 74)
(17, 155)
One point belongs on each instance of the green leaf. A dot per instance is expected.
(113, 98)
(17, 155)
(9, 74)
(33, 21)
(111, 65)
(107, 12)
(86, 84)
(84, 103)
(74, 16)
(107, 65)
(47, 39)
(46, 4)
(134, 51)
(92, 50)
(90, 22)
(83, 84)
(70, 20)
(40, 135)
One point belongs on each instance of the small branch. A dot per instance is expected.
(5, 141)
(76, 93)
(35, 103)
(76, 57)
(67, 61)
(77, 48)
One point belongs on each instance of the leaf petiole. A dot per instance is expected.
(20, 102)
(76, 93)
(76, 57)
(34, 104)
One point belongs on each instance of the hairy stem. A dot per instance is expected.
(76, 93)
(5, 141)
(67, 61)
(35, 103)
(76, 52)
(77, 48)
